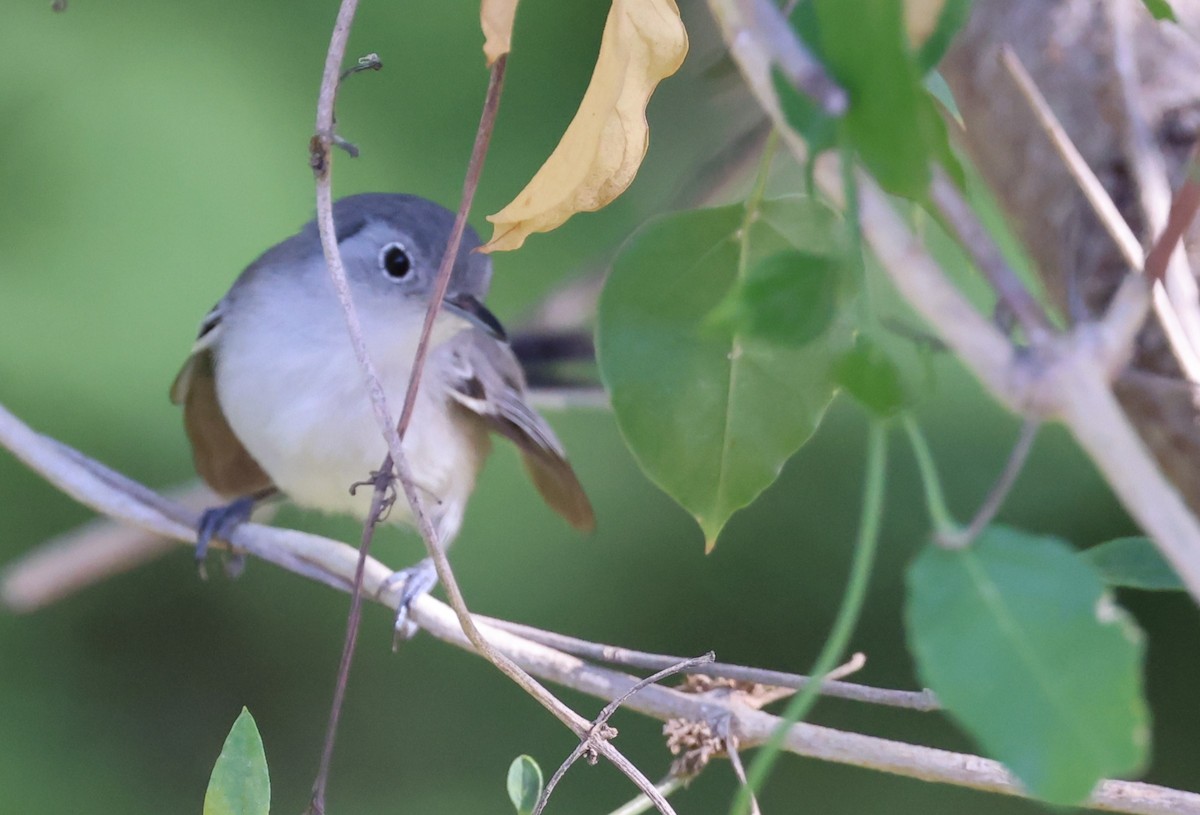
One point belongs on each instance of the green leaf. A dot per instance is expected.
(1133, 563)
(868, 374)
(865, 46)
(524, 784)
(239, 784)
(952, 17)
(818, 130)
(1161, 10)
(710, 413)
(1028, 652)
(789, 298)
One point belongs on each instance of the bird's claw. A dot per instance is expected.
(418, 580)
(218, 523)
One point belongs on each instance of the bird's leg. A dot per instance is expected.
(218, 523)
(418, 580)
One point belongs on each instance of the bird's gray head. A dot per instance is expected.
(397, 241)
(391, 246)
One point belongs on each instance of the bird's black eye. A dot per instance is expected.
(394, 261)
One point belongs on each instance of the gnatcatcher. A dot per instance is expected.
(274, 399)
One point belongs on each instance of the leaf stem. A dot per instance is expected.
(845, 622)
(754, 200)
(944, 525)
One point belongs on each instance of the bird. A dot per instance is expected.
(274, 400)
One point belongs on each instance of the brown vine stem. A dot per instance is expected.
(321, 158)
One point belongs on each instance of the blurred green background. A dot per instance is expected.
(151, 151)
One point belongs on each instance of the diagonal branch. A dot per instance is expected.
(332, 563)
(1062, 377)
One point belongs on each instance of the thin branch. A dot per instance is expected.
(332, 563)
(626, 657)
(1110, 218)
(321, 160)
(641, 803)
(978, 242)
(739, 771)
(1150, 170)
(599, 731)
(959, 539)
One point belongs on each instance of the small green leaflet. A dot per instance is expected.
(1029, 652)
(789, 298)
(1161, 10)
(239, 784)
(1133, 563)
(524, 784)
(710, 412)
(865, 46)
(868, 374)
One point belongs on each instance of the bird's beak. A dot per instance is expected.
(474, 312)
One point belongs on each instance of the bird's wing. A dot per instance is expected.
(221, 459)
(486, 380)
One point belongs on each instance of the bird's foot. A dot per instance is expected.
(418, 580)
(218, 523)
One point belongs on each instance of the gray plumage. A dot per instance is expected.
(273, 395)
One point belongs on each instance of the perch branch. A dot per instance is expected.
(332, 563)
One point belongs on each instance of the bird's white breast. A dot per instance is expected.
(293, 392)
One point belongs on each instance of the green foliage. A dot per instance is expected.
(1027, 650)
(819, 130)
(864, 45)
(1133, 563)
(953, 16)
(524, 784)
(1161, 9)
(869, 374)
(789, 298)
(710, 412)
(240, 784)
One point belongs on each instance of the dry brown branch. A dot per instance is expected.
(321, 161)
(600, 731)
(912, 700)
(332, 563)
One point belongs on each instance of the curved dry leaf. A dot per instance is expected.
(496, 17)
(644, 42)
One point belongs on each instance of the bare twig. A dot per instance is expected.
(334, 564)
(960, 538)
(978, 242)
(321, 160)
(1109, 216)
(735, 759)
(912, 700)
(1150, 170)
(600, 731)
(641, 803)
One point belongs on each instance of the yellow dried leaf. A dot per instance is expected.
(496, 17)
(921, 18)
(644, 42)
